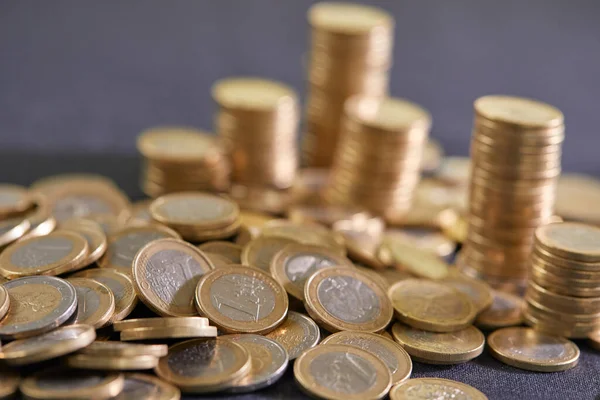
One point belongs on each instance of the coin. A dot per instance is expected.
(38, 304)
(120, 349)
(13, 199)
(59, 342)
(319, 372)
(193, 322)
(241, 299)
(296, 334)
(431, 306)
(12, 229)
(576, 196)
(65, 383)
(119, 284)
(346, 299)
(9, 383)
(48, 184)
(594, 340)
(269, 361)
(393, 355)
(260, 252)
(423, 388)
(140, 212)
(53, 254)
(231, 251)
(414, 260)
(165, 275)
(4, 301)
(362, 239)
(440, 348)
(307, 233)
(506, 310)
(171, 332)
(93, 234)
(204, 365)
(426, 239)
(295, 263)
(111, 363)
(124, 244)
(571, 240)
(41, 220)
(478, 291)
(142, 386)
(218, 260)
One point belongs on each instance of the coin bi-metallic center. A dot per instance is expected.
(32, 302)
(44, 251)
(242, 298)
(299, 267)
(348, 299)
(343, 372)
(124, 249)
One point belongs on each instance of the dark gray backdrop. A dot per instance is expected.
(89, 75)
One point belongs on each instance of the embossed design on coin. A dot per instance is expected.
(506, 310)
(296, 334)
(95, 302)
(435, 388)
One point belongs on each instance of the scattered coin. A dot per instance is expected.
(576, 198)
(9, 383)
(121, 349)
(12, 229)
(4, 301)
(171, 332)
(13, 199)
(49, 184)
(319, 370)
(478, 291)
(306, 233)
(165, 276)
(93, 234)
(95, 302)
(296, 334)
(416, 261)
(241, 299)
(506, 310)
(260, 252)
(426, 239)
(166, 322)
(111, 363)
(528, 349)
(218, 260)
(438, 388)
(140, 212)
(41, 220)
(363, 239)
(231, 251)
(142, 386)
(374, 275)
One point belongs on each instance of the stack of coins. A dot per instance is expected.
(563, 294)
(351, 53)
(377, 162)
(516, 153)
(181, 159)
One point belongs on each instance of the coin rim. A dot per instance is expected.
(111, 386)
(312, 326)
(109, 309)
(111, 363)
(158, 322)
(124, 349)
(474, 393)
(173, 332)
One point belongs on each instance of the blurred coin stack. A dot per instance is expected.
(181, 159)
(516, 151)
(563, 294)
(351, 53)
(377, 162)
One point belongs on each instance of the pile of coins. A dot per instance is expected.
(377, 162)
(516, 153)
(181, 159)
(351, 54)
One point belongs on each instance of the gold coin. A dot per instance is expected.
(346, 299)
(362, 239)
(119, 284)
(426, 239)
(317, 369)
(571, 240)
(414, 260)
(175, 144)
(392, 354)
(431, 305)
(192, 322)
(4, 301)
(95, 302)
(241, 299)
(506, 310)
(12, 229)
(440, 348)
(92, 233)
(143, 386)
(120, 349)
(111, 363)
(309, 234)
(66, 383)
(40, 218)
(232, 252)
(295, 263)
(260, 252)
(517, 111)
(296, 334)
(218, 260)
(528, 349)
(53, 254)
(171, 332)
(437, 388)
(204, 365)
(594, 340)
(477, 290)
(9, 383)
(13, 199)
(165, 275)
(576, 198)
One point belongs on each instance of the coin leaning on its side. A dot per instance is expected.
(296, 334)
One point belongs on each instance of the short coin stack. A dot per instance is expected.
(351, 51)
(180, 159)
(377, 162)
(516, 153)
(563, 294)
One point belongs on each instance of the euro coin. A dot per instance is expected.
(296, 334)
(409, 258)
(95, 302)
(165, 322)
(260, 252)
(228, 250)
(505, 311)
(570, 240)
(12, 229)
(478, 291)
(170, 333)
(120, 349)
(4, 301)
(431, 387)
(111, 363)
(92, 233)
(142, 386)
(13, 199)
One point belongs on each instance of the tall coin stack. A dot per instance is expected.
(181, 159)
(515, 151)
(377, 162)
(563, 294)
(351, 53)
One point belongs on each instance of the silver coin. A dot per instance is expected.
(242, 297)
(269, 361)
(79, 206)
(348, 299)
(38, 305)
(123, 250)
(297, 334)
(42, 251)
(302, 265)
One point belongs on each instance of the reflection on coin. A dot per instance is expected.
(38, 304)
(111, 363)
(416, 261)
(440, 348)
(341, 299)
(431, 305)
(59, 342)
(140, 212)
(9, 383)
(119, 284)
(142, 386)
(269, 361)
(194, 322)
(307, 233)
(194, 209)
(204, 365)
(506, 310)
(435, 388)
(260, 252)
(171, 332)
(375, 275)
(477, 290)
(296, 334)
(95, 302)
(296, 262)
(124, 244)
(528, 349)
(13, 199)
(335, 371)
(393, 275)
(121, 349)
(53, 254)
(165, 275)
(392, 354)
(231, 251)
(41, 220)
(241, 299)
(12, 229)
(93, 234)
(72, 384)
(4, 301)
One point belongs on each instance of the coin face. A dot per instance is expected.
(69, 383)
(231, 251)
(528, 349)
(165, 275)
(93, 234)
(570, 240)
(175, 144)
(241, 299)
(260, 252)
(52, 254)
(392, 354)
(251, 93)
(124, 244)
(4, 301)
(477, 290)
(296, 334)
(13, 199)
(506, 310)
(416, 261)
(194, 208)
(518, 111)
(142, 386)
(38, 304)
(295, 263)
(95, 302)
(336, 371)
(204, 365)
(428, 388)
(347, 299)
(431, 305)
